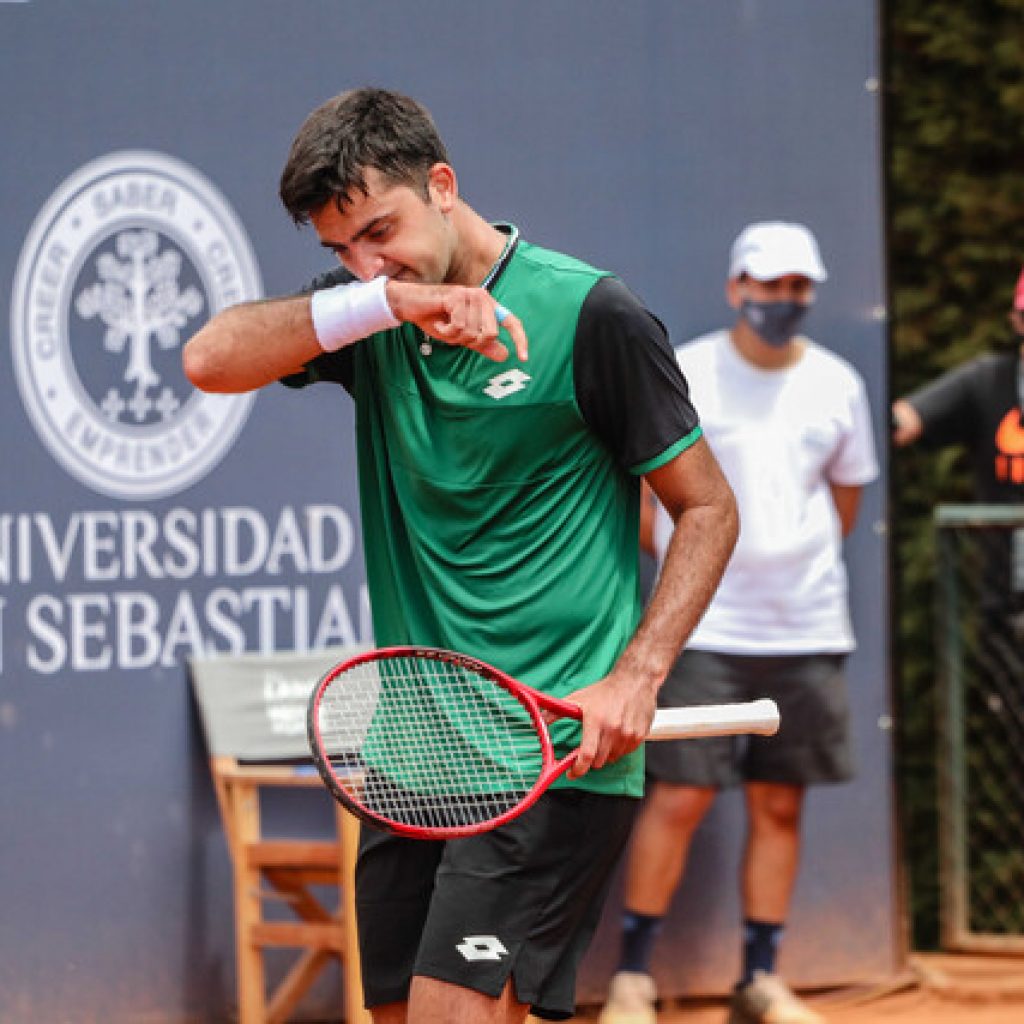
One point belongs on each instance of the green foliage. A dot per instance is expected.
(955, 150)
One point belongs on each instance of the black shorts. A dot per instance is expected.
(523, 900)
(812, 744)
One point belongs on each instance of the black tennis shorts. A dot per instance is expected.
(520, 901)
(812, 745)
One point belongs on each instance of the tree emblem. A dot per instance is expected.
(138, 299)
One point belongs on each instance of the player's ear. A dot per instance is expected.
(732, 292)
(442, 187)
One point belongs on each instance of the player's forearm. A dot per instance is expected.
(252, 344)
(697, 555)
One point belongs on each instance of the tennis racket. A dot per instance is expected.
(432, 744)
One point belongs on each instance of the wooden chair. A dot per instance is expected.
(252, 709)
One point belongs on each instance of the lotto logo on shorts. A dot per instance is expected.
(505, 384)
(482, 947)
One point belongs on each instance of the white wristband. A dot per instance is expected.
(347, 313)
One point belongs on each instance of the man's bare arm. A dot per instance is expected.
(907, 426)
(255, 343)
(618, 710)
(703, 508)
(847, 502)
(252, 344)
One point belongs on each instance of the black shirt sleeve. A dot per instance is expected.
(946, 406)
(337, 367)
(629, 387)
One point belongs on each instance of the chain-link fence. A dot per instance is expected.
(980, 641)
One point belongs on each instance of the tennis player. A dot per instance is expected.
(509, 399)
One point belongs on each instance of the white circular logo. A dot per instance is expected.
(132, 254)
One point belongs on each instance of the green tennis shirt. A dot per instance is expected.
(500, 501)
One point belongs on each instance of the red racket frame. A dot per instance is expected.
(533, 700)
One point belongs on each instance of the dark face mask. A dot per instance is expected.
(774, 322)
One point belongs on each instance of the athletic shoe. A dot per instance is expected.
(631, 998)
(767, 1000)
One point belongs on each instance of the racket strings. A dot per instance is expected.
(428, 743)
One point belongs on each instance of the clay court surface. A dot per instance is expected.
(935, 989)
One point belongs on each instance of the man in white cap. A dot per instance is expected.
(790, 425)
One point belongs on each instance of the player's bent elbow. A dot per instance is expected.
(199, 367)
(728, 514)
(204, 358)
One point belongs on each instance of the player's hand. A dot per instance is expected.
(617, 716)
(455, 315)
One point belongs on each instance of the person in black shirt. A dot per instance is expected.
(979, 405)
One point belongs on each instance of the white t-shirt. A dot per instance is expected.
(780, 436)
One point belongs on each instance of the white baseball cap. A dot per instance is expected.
(775, 248)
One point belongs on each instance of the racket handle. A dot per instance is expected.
(755, 716)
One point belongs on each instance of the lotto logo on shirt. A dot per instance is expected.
(1010, 449)
(507, 383)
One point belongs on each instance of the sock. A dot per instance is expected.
(760, 948)
(638, 934)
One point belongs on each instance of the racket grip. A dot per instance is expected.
(755, 716)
